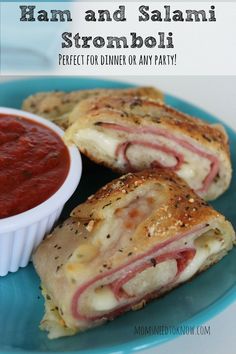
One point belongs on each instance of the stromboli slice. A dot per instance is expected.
(135, 239)
(57, 105)
(130, 134)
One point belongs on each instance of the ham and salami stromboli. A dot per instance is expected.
(135, 239)
(129, 134)
(57, 105)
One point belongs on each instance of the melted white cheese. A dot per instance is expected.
(103, 142)
(187, 172)
(103, 299)
(206, 247)
(152, 278)
(194, 170)
(142, 156)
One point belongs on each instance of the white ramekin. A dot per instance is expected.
(21, 234)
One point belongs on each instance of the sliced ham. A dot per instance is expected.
(124, 274)
(122, 149)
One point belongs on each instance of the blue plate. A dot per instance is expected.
(21, 304)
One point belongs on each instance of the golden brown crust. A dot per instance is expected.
(181, 196)
(141, 111)
(57, 105)
(180, 211)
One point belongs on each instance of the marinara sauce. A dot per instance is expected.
(34, 163)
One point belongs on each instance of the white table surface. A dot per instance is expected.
(217, 96)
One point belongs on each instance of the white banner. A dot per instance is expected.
(118, 38)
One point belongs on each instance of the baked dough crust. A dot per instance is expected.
(141, 117)
(85, 246)
(57, 105)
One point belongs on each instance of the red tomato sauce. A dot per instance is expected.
(34, 163)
